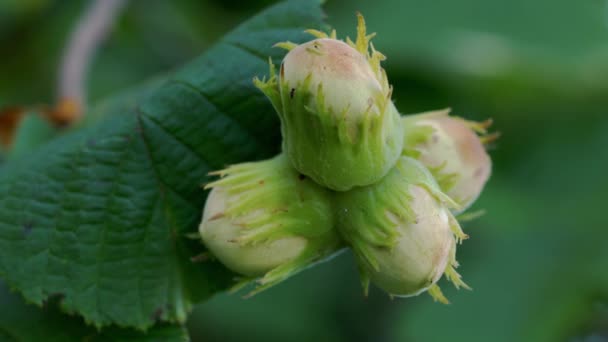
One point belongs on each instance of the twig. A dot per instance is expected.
(90, 31)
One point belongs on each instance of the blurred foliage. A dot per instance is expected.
(152, 36)
(538, 260)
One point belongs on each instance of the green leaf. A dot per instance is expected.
(22, 322)
(99, 216)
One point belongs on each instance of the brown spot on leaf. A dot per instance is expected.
(9, 121)
(27, 228)
(293, 90)
(53, 299)
(57, 296)
(157, 314)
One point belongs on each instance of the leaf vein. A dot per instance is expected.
(218, 110)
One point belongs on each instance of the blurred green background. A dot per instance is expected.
(537, 261)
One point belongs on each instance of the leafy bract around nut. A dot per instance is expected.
(451, 148)
(264, 219)
(402, 232)
(338, 122)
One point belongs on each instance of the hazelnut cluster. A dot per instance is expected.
(353, 173)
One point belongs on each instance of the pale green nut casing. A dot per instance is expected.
(338, 122)
(264, 220)
(451, 148)
(402, 231)
(221, 235)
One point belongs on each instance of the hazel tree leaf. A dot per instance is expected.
(99, 216)
(17, 320)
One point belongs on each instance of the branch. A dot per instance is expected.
(88, 34)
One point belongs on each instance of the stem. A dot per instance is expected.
(88, 34)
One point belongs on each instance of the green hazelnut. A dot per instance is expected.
(222, 236)
(401, 231)
(451, 148)
(338, 122)
(265, 220)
